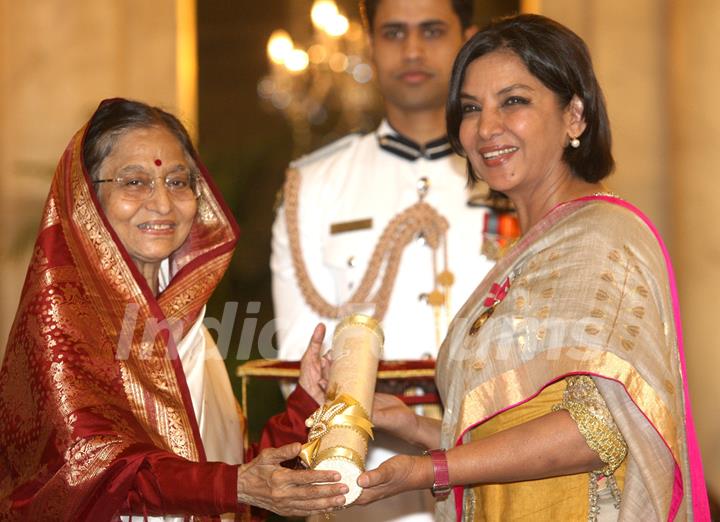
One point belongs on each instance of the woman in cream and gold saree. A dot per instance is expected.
(563, 376)
(114, 399)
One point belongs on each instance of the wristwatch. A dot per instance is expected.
(441, 487)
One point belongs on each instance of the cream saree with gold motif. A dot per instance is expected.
(588, 290)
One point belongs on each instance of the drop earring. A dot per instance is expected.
(574, 143)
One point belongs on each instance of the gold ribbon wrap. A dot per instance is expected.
(343, 412)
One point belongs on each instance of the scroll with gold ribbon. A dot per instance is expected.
(340, 429)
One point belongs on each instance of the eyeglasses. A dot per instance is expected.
(139, 186)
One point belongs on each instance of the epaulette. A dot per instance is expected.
(327, 150)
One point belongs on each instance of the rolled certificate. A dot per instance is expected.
(340, 429)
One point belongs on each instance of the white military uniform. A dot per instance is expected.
(356, 179)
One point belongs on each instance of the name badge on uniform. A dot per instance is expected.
(351, 226)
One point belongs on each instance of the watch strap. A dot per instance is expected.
(441, 483)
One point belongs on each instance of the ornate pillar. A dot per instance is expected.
(56, 64)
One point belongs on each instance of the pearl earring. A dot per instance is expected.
(574, 143)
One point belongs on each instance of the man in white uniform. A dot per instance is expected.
(350, 191)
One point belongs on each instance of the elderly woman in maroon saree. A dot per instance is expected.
(113, 398)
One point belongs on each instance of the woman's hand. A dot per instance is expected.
(314, 367)
(298, 493)
(396, 475)
(391, 414)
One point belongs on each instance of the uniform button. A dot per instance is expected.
(351, 261)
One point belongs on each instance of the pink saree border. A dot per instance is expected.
(701, 508)
(700, 505)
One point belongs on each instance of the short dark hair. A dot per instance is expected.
(561, 61)
(116, 116)
(463, 8)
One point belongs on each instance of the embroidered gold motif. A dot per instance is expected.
(548, 293)
(632, 330)
(90, 457)
(50, 216)
(589, 411)
(592, 330)
(206, 213)
(638, 311)
(544, 312)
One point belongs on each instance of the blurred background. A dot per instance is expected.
(252, 107)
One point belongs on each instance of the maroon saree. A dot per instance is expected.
(95, 415)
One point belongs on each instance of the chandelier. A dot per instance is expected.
(326, 86)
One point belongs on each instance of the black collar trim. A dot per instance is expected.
(409, 150)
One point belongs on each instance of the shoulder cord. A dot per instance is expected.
(418, 219)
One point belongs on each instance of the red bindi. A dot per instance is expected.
(158, 162)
